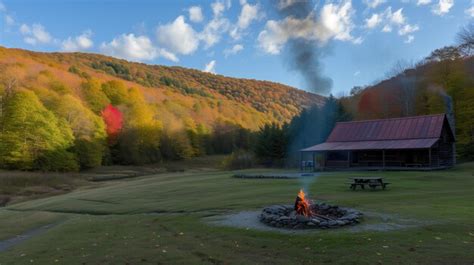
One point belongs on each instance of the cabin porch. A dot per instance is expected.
(403, 159)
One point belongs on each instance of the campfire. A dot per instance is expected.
(302, 205)
(308, 214)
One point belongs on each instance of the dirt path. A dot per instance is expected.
(11, 242)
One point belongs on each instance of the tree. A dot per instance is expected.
(272, 144)
(175, 145)
(116, 91)
(33, 138)
(139, 141)
(465, 39)
(88, 129)
(94, 95)
(113, 119)
(443, 54)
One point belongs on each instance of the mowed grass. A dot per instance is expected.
(160, 219)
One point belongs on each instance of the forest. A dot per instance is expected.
(73, 111)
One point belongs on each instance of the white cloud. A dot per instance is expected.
(210, 67)
(218, 25)
(407, 28)
(135, 48)
(213, 31)
(178, 37)
(235, 49)
(282, 4)
(397, 17)
(423, 2)
(374, 3)
(373, 21)
(334, 22)
(195, 14)
(168, 55)
(391, 20)
(387, 28)
(248, 14)
(217, 8)
(442, 7)
(35, 34)
(356, 73)
(358, 40)
(410, 39)
(470, 11)
(2, 7)
(78, 43)
(9, 20)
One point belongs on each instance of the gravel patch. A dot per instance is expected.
(379, 222)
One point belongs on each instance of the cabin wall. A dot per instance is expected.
(413, 158)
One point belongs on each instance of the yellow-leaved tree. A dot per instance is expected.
(32, 137)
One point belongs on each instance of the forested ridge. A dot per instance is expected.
(67, 111)
(441, 83)
(70, 111)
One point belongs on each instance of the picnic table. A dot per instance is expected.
(371, 182)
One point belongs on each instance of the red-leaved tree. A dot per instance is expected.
(113, 119)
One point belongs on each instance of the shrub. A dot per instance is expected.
(240, 159)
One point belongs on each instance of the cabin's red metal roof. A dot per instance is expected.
(400, 133)
(373, 145)
(419, 127)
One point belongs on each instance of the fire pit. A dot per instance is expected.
(307, 214)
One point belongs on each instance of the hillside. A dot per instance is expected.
(66, 111)
(178, 93)
(441, 83)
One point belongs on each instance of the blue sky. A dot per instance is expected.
(362, 40)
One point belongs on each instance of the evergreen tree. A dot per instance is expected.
(272, 144)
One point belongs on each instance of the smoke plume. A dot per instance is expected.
(304, 55)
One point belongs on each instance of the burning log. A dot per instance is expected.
(326, 218)
(302, 205)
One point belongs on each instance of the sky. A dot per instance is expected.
(359, 42)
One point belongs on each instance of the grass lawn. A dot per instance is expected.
(160, 219)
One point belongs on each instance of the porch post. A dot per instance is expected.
(429, 155)
(325, 160)
(348, 158)
(383, 158)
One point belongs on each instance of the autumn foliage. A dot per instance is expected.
(102, 110)
(113, 119)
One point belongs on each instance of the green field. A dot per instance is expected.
(163, 219)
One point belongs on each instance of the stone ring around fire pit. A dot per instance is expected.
(323, 216)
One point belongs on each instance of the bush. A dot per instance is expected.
(240, 159)
(59, 160)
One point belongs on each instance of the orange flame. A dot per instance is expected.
(302, 205)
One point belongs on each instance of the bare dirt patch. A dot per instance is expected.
(372, 222)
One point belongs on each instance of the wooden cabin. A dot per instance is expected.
(421, 142)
